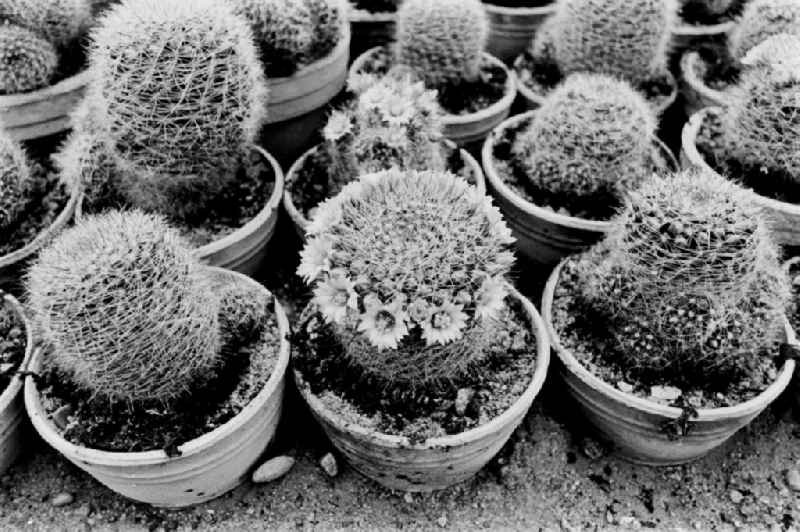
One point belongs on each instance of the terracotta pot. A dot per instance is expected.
(396, 463)
(633, 424)
(208, 466)
(469, 129)
(297, 104)
(370, 30)
(300, 222)
(42, 112)
(784, 217)
(696, 93)
(13, 425)
(690, 37)
(544, 237)
(511, 29)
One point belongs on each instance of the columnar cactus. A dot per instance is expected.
(15, 179)
(126, 308)
(592, 136)
(690, 279)
(762, 19)
(408, 268)
(442, 41)
(27, 61)
(57, 21)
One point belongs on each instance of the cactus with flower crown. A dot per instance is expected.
(408, 269)
(762, 19)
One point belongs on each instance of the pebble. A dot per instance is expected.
(61, 416)
(408, 497)
(329, 465)
(629, 521)
(442, 521)
(62, 499)
(591, 449)
(463, 399)
(625, 387)
(665, 393)
(793, 479)
(273, 469)
(736, 496)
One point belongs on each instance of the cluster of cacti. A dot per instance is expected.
(126, 308)
(441, 41)
(176, 101)
(689, 279)
(408, 268)
(15, 182)
(592, 136)
(393, 122)
(621, 38)
(762, 19)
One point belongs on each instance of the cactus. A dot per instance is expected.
(15, 182)
(284, 29)
(27, 62)
(57, 21)
(441, 41)
(592, 137)
(762, 19)
(408, 268)
(690, 283)
(621, 38)
(126, 308)
(328, 18)
(761, 126)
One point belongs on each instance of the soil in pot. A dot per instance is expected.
(794, 310)
(697, 13)
(582, 331)
(251, 353)
(596, 207)
(426, 412)
(12, 343)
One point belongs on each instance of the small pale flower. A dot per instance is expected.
(490, 299)
(397, 110)
(463, 298)
(334, 296)
(328, 213)
(445, 324)
(338, 126)
(384, 325)
(396, 136)
(419, 311)
(315, 258)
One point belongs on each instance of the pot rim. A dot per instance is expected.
(685, 29)
(11, 391)
(749, 407)
(454, 440)
(688, 63)
(519, 11)
(66, 85)
(46, 429)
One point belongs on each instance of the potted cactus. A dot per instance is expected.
(393, 121)
(754, 139)
(668, 332)
(160, 377)
(628, 40)
(559, 172)
(304, 47)
(42, 72)
(443, 43)
(512, 24)
(704, 22)
(178, 140)
(372, 23)
(710, 73)
(415, 355)
(34, 206)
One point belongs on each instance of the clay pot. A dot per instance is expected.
(207, 467)
(396, 463)
(696, 93)
(511, 29)
(634, 425)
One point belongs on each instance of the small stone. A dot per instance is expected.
(628, 521)
(793, 479)
(329, 465)
(61, 416)
(273, 469)
(665, 393)
(563, 211)
(736, 496)
(442, 521)
(591, 449)
(408, 497)
(625, 387)
(463, 399)
(62, 499)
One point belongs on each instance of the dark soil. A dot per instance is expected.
(72, 60)
(423, 412)
(583, 332)
(100, 424)
(462, 98)
(696, 13)
(717, 68)
(12, 343)
(376, 6)
(763, 181)
(794, 310)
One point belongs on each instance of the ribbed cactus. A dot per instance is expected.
(329, 18)
(409, 267)
(691, 283)
(282, 28)
(591, 138)
(57, 21)
(762, 19)
(126, 308)
(27, 61)
(441, 40)
(15, 179)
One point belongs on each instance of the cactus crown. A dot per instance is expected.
(15, 175)
(27, 61)
(125, 307)
(57, 21)
(441, 40)
(409, 267)
(592, 136)
(691, 281)
(762, 19)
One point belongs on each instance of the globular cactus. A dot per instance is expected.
(284, 29)
(15, 182)
(125, 308)
(442, 40)
(57, 21)
(27, 61)
(690, 281)
(592, 137)
(408, 268)
(762, 19)
(621, 38)
(761, 125)
(328, 18)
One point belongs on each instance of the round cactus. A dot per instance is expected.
(762, 19)
(690, 282)
(27, 62)
(57, 21)
(15, 176)
(442, 41)
(329, 18)
(409, 267)
(284, 29)
(126, 308)
(621, 38)
(592, 137)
